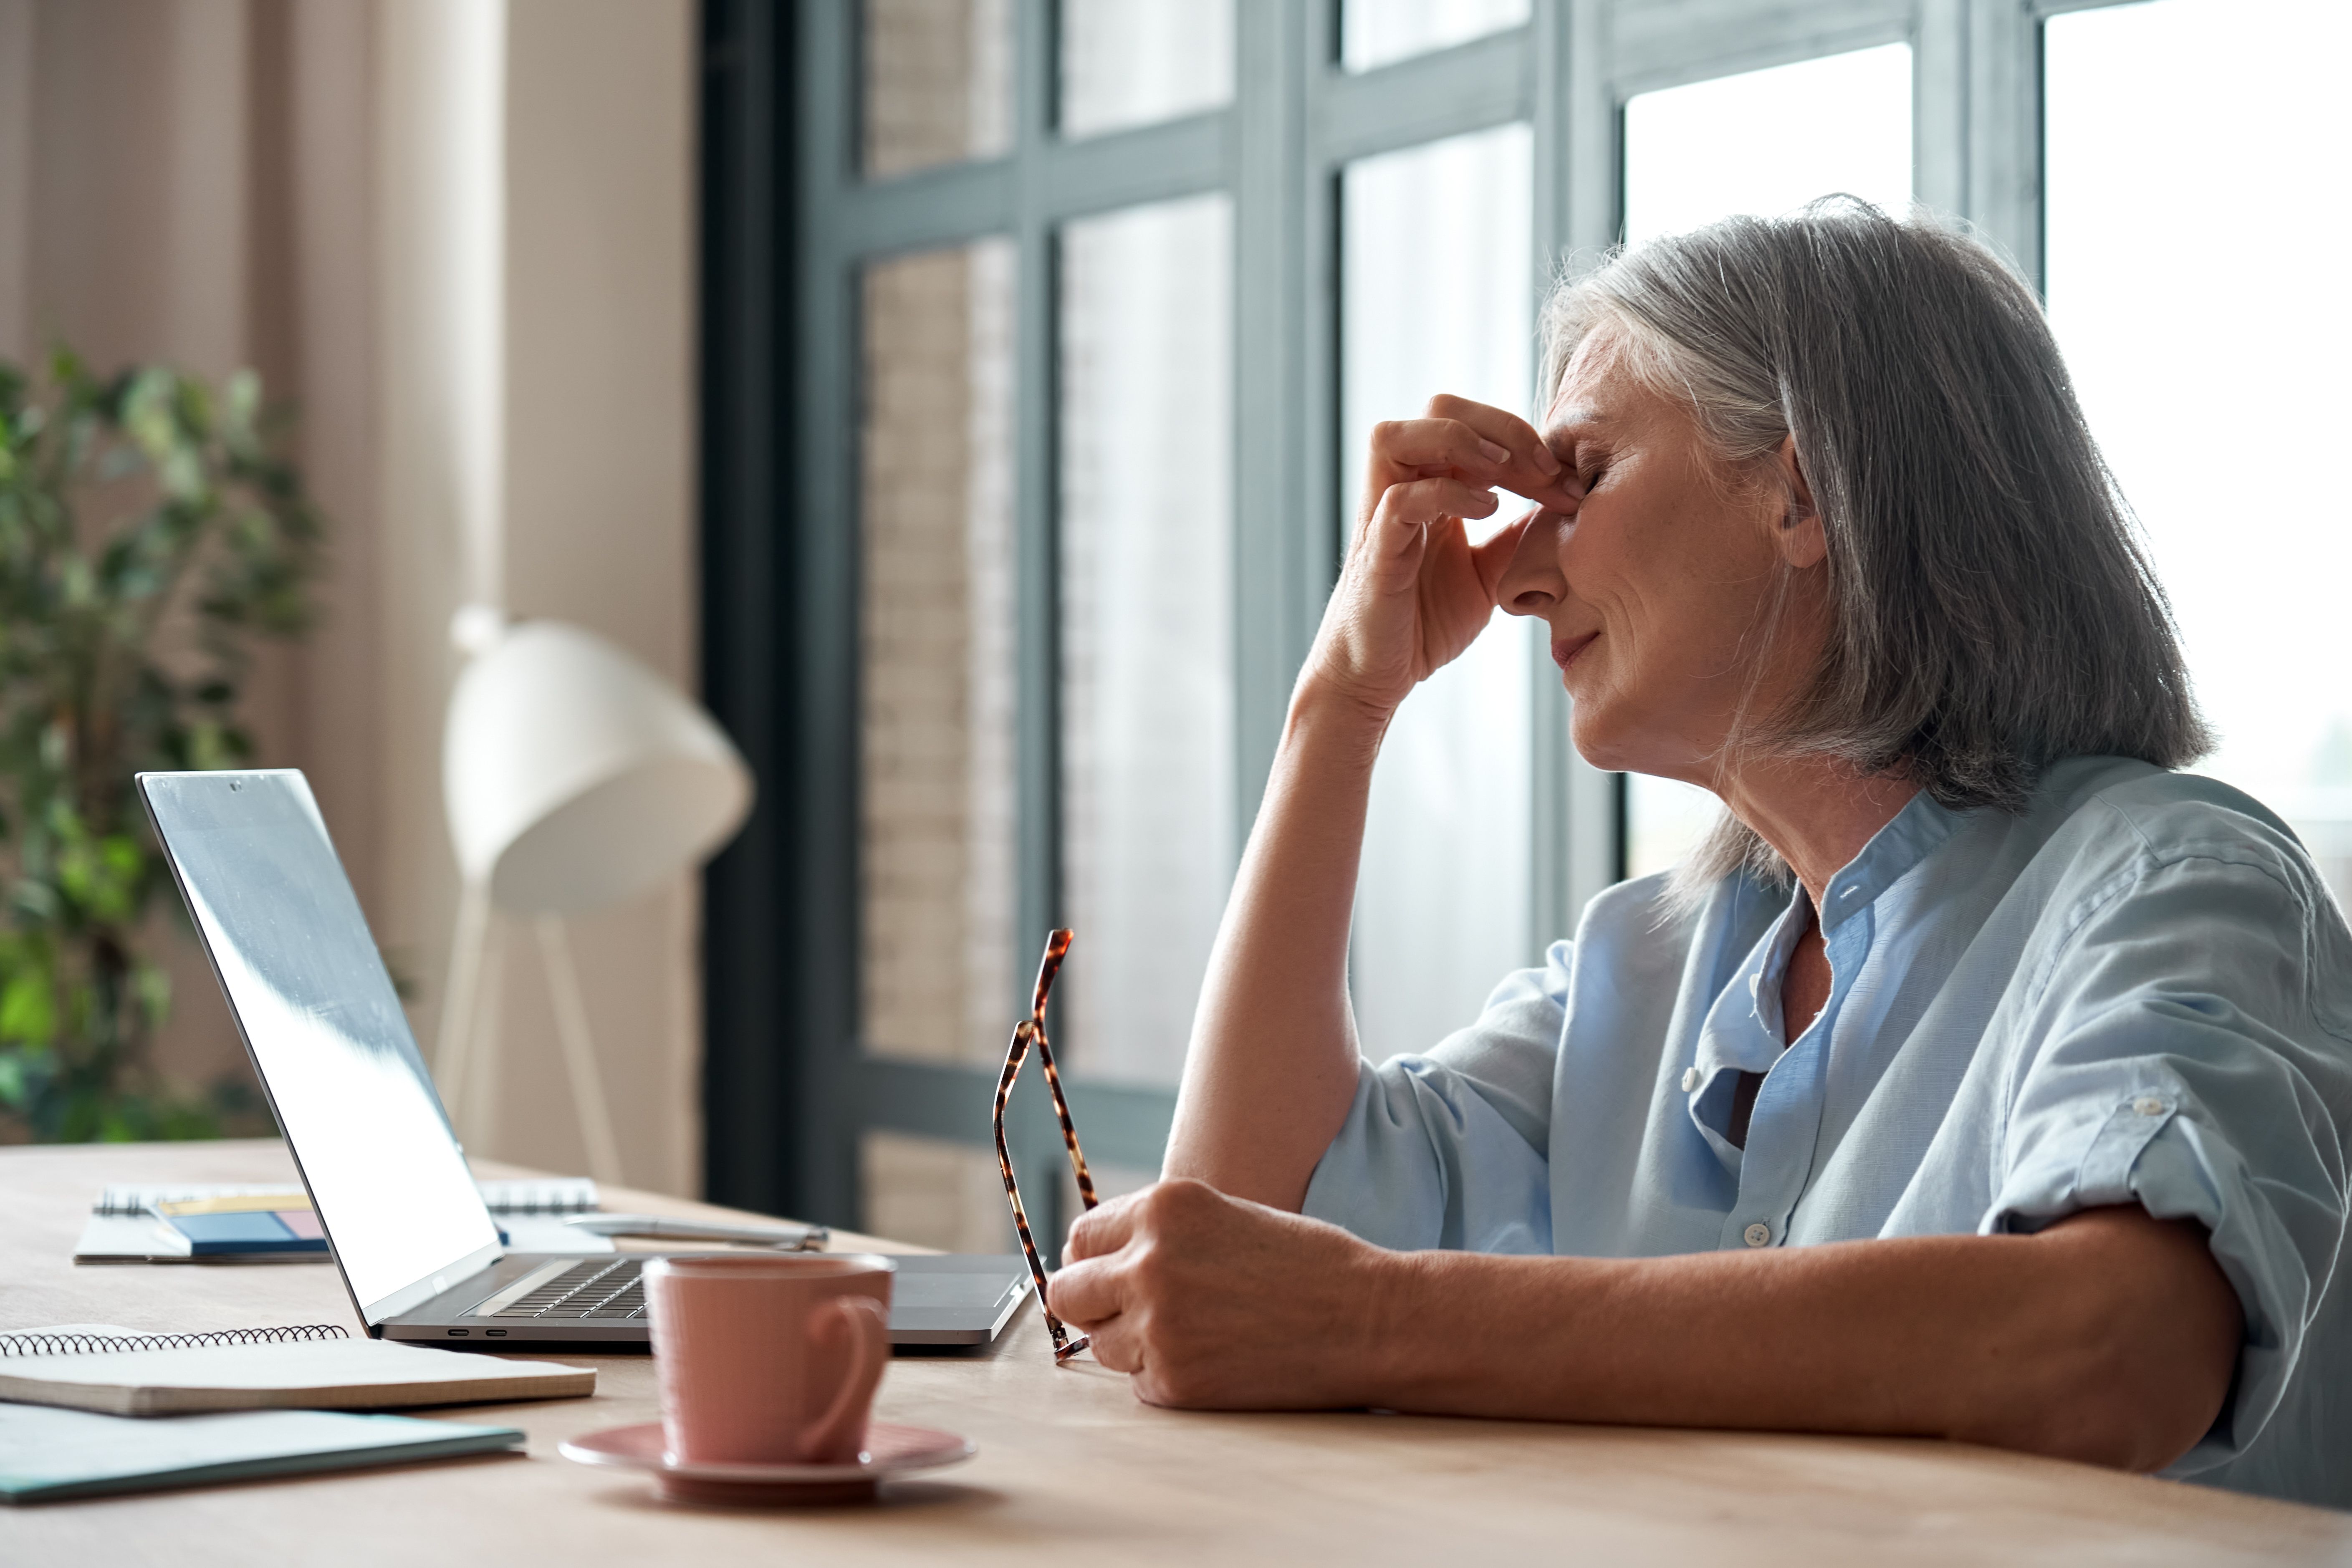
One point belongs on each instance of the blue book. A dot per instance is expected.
(46, 1453)
(250, 1232)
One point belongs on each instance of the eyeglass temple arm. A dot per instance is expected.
(1065, 1347)
(1057, 948)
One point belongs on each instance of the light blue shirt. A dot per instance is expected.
(2137, 991)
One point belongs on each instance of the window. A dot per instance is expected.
(1378, 32)
(2206, 360)
(935, 620)
(1148, 844)
(1135, 62)
(1076, 317)
(1766, 142)
(938, 82)
(1437, 295)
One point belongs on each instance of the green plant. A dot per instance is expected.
(150, 532)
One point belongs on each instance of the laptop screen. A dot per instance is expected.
(326, 1032)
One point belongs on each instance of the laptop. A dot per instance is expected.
(408, 1228)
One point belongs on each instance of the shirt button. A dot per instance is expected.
(2148, 1105)
(1757, 1234)
(1691, 1079)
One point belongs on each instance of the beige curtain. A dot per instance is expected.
(492, 399)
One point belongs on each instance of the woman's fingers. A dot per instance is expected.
(1415, 591)
(1395, 542)
(1426, 501)
(1449, 444)
(1084, 1293)
(1534, 470)
(1102, 1230)
(1495, 449)
(1501, 427)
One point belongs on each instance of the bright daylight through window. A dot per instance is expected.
(2197, 282)
(1437, 296)
(1374, 33)
(1766, 142)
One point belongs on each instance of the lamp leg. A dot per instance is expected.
(453, 1046)
(578, 1052)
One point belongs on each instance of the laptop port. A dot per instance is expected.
(494, 1333)
(454, 1333)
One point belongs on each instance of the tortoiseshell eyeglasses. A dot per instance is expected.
(1029, 1030)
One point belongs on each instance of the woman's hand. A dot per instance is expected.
(1272, 1067)
(1415, 591)
(1213, 1302)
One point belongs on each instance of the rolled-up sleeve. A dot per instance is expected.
(1447, 1149)
(2203, 1094)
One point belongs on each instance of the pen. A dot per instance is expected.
(784, 1237)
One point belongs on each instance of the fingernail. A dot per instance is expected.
(1546, 461)
(1494, 454)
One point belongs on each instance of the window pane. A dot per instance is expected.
(1134, 62)
(1146, 540)
(932, 1193)
(1769, 142)
(1437, 250)
(936, 798)
(939, 82)
(1765, 142)
(1377, 32)
(2197, 147)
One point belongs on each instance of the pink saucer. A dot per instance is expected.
(890, 1449)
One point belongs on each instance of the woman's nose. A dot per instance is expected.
(1532, 584)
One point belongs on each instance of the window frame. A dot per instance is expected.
(789, 220)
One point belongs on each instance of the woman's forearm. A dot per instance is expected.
(1272, 1067)
(2111, 1338)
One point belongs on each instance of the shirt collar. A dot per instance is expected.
(1892, 851)
(1743, 1027)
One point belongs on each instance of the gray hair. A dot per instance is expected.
(1991, 610)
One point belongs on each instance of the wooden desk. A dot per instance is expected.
(1071, 1469)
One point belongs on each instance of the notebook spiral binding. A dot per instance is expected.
(92, 1344)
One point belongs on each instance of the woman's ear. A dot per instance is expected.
(1798, 534)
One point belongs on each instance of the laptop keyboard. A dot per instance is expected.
(603, 1288)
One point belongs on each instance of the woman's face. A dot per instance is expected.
(1656, 589)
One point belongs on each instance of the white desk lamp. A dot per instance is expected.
(575, 777)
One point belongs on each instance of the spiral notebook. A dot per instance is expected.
(312, 1366)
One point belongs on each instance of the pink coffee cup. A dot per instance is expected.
(768, 1359)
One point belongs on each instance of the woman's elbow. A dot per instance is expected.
(2137, 1347)
(2139, 1426)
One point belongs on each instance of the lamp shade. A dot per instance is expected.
(576, 777)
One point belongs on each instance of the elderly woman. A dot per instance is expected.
(1980, 1076)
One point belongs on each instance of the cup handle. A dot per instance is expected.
(862, 1318)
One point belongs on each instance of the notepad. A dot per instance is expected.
(56, 1453)
(99, 1367)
